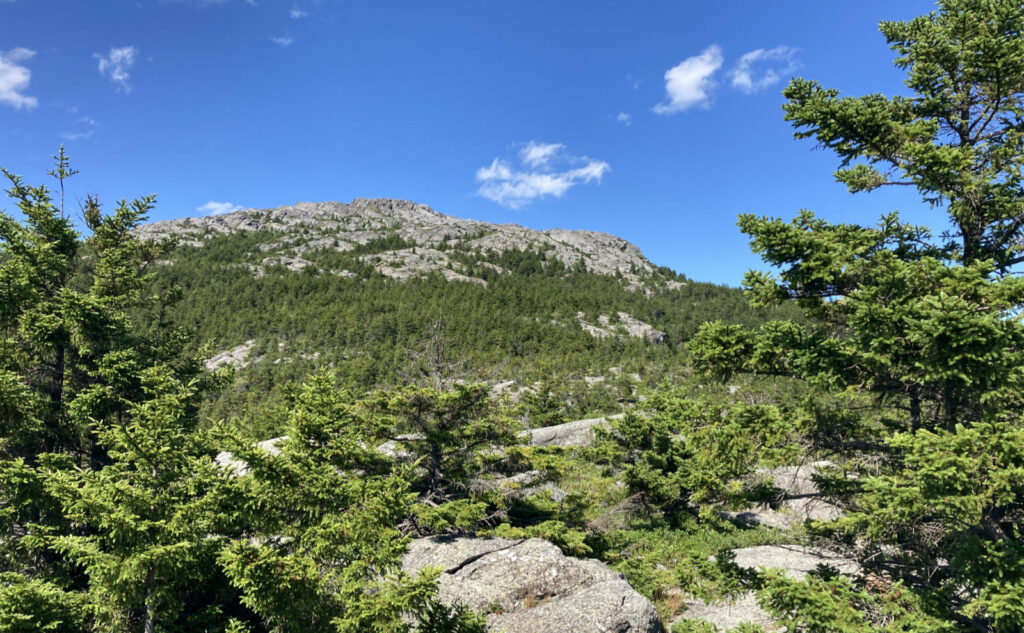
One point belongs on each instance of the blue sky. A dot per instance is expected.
(655, 121)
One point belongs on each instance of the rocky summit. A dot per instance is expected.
(426, 238)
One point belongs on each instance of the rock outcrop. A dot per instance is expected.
(795, 560)
(627, 325)
(236, 357)
(801, 499)
(308, 226)
(577, 433)
(529, 586)
(729, 614)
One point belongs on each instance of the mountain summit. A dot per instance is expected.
(412, 239)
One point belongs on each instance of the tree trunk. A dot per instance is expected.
(915, 408)
(435, 471)
(150, 579)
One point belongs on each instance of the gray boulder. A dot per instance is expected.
(578, 433)
(529, 586)
(801, 502)
(795, 560)
(236, 357)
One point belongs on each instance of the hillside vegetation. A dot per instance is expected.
(333, 417)
(526, 324)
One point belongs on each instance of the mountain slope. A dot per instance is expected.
(374, 288)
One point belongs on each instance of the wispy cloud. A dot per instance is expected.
(78, 136)
(634, 83)
(283, 41)
(538, 154)
(773, 64)
(115, 64)
(83, 134)
(545, 170)
(14, 78)
(689, 84)
(217, 208)
(625, 118)
(296, 13)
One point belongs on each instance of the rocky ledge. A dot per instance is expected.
(529, 586)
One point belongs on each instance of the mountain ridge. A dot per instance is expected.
(338, 226)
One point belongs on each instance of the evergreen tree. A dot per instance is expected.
(143, 534)
(316, 517)
(929, 325)
(72, 362)
(452, 437)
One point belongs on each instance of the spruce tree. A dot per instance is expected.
(927, 324)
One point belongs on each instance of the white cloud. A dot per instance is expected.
(537, 176)
(14, 78)
(78, 136)
(689, 84)
(624, 118)
(115, 64)
(283, 41)
(775, 63)
(217, 208)
(296, 13)
(634, 83)
(538, 154)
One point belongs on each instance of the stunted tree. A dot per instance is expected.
(317, 545)
(453, 436)
(145, 536)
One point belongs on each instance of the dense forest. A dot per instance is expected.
(881, 361)
(375, 331)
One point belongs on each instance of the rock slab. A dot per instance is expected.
(577, 433)
(529, 586)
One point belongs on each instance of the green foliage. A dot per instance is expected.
(832, 604)
(522, 326)
(438, 618)
(144, 537)
(956, 139)
(38, 606)
(937, 338)
(930, 326)
(571, 541)
(317, 541)
(450, 434)
(78, 371)
(955, 509)
(686, 452)
(693, 558)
